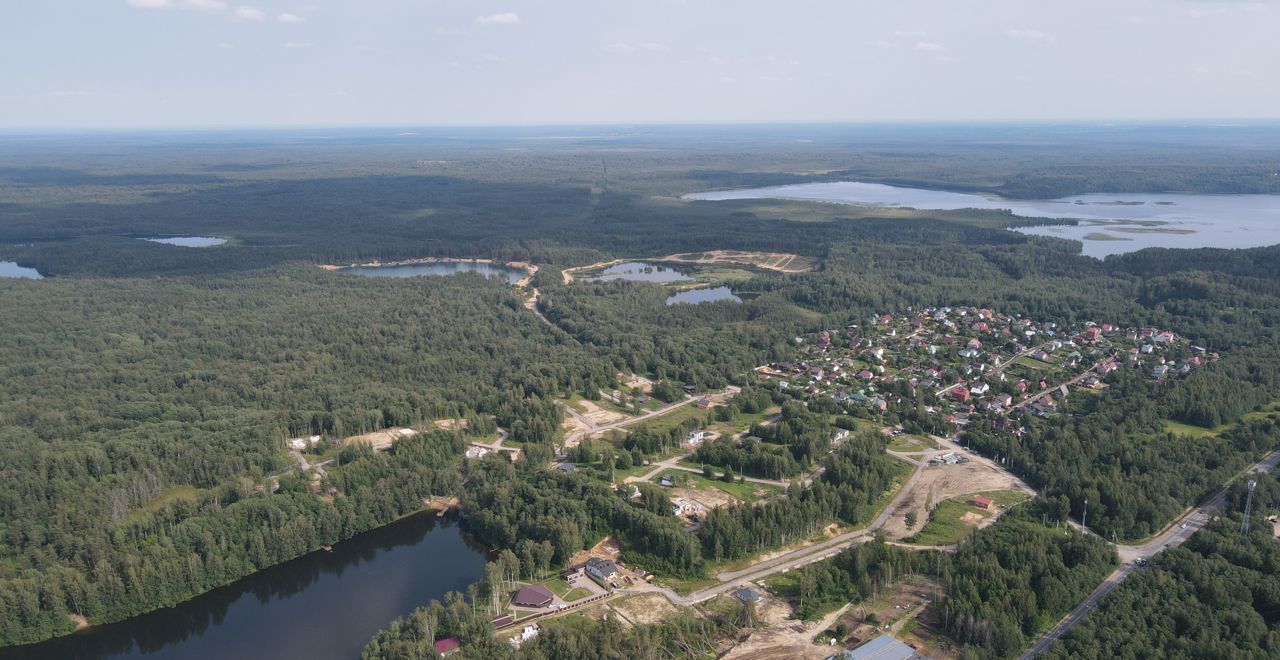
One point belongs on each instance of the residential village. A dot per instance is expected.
(974, 363)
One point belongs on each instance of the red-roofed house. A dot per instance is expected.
(448, 645)
(982, 502)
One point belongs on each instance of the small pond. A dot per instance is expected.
(638, 271)
(695, 296)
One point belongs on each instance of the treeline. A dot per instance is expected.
(1006, 585)
(1215, 596)
(507, 507)
(679, 636)
(1139, 476)
(187, 546)
(854, 478)
(136, 409)
(1016, 579)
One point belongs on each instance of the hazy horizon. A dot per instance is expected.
(214, 64)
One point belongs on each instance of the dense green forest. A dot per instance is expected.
(148, 390)
(1006, 585)
(1215, 596)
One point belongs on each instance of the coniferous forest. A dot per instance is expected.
(149, 391)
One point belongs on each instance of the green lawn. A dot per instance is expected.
(946, 525)
(674, 418)
(558, 586)
(1034, 364)
(577, 593)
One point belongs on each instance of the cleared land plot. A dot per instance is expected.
(944, 482)
(911, 443)
(705, 489)
(955, 519)
(783, 262)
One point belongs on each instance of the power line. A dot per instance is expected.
(1248, 508)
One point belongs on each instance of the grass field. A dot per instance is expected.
(910, 443)
(1034, 364)
(743, 421)
(1178, 428)
(674, 418)
(744, 491)
(947, 525)
(172, 494)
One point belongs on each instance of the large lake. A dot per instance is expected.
(12, 269)
(1110, 223)
(322, 606)
(637, 271)
(512, 275)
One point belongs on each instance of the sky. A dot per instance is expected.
(86, 64)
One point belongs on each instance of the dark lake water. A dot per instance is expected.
(323, 606)
(512, 275)
(637, 271)
(12, 269)
(189, 241)
(695, 296)
(1109, 223)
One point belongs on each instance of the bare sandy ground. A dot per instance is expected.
(783, 262)
(643, 609)
(599, 416)
(781, 636)
(380, 439)
(940, 483)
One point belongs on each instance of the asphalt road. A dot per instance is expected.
(1172, 536)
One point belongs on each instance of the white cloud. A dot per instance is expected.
(225, 46)
(909, 34)
(656, 47)
(204, 5)
(297, 44)
(1030, 35)
(243, 13)
(211, 6)
(289, 18)
(620, 48)
(929, 45)
(505, 18)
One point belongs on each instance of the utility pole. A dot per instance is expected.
(1248, 508)
(1084, 518)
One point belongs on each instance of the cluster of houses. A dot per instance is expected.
(975, 361)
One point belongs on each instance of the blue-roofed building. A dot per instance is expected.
(883, 647)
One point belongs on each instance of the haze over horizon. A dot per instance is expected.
(222, 63)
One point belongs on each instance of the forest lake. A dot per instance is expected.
(321, 606)
(1108, 223)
